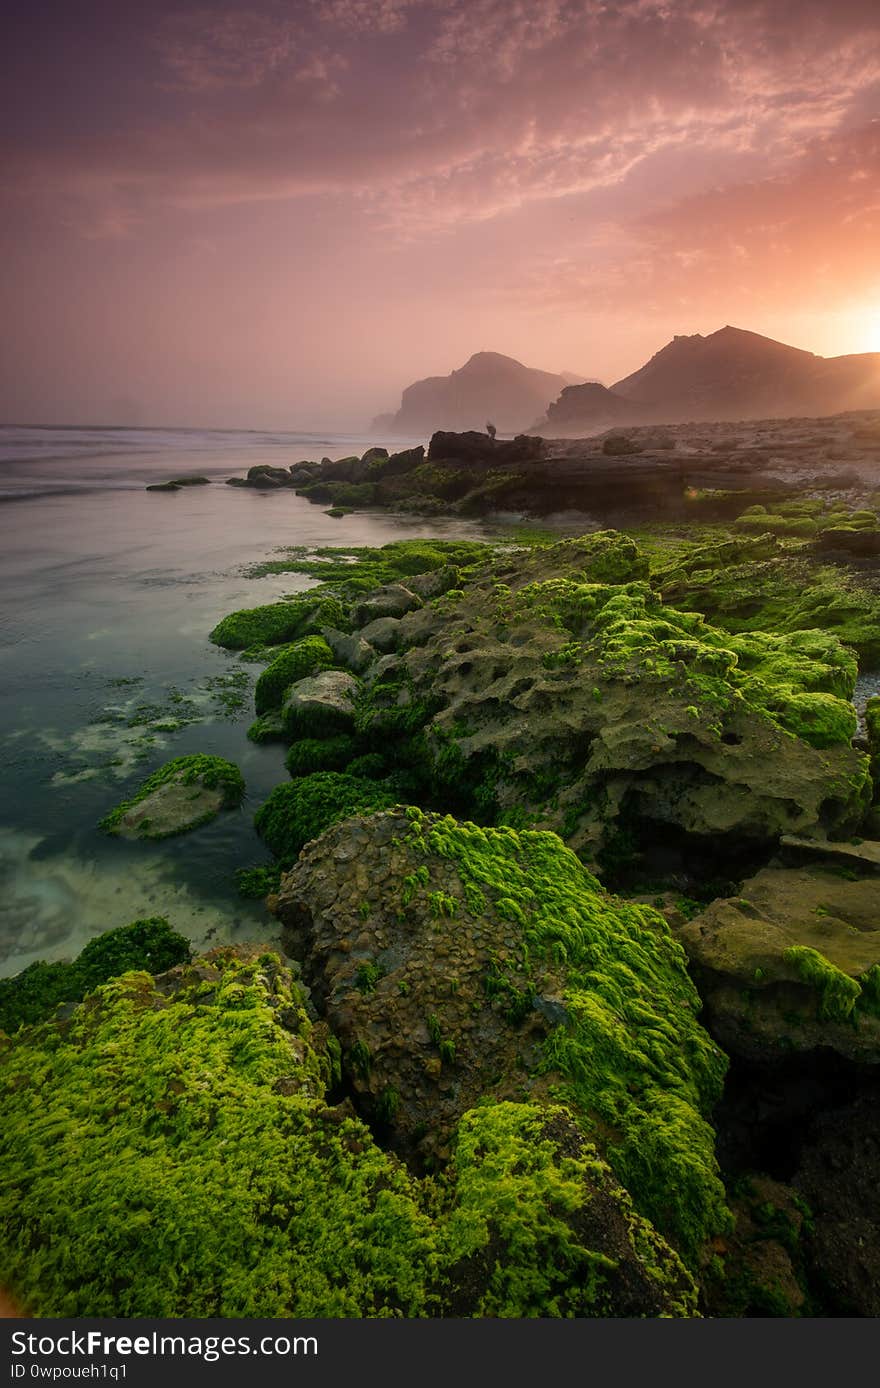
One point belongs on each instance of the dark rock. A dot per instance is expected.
(839, 1177)
(860, 543)
(352, 651)
(262, 474)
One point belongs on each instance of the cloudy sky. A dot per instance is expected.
(280, 213)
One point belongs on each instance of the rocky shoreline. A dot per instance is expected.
(576, 865)
(686, 472)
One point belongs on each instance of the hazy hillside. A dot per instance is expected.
(731, 374)
(488, 387)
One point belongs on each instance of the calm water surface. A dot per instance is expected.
(109, 593)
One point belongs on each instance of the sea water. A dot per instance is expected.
(109, 593)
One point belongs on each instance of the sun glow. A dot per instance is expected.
(866, 328)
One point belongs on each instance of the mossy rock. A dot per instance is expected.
(170, 1152)
(295, 662)
(269, 728)
(182, 795)
(301, 810)
(321, 705)
(315, 754)
(556, 688)
(34, 994)
(792, 965)
(460, 962)
(765, 588)
(277, 622)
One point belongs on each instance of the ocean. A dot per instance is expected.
(106, 670)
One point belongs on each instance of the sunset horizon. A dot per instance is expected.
(279, 217)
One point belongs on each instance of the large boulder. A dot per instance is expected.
(217, 1084)
(457, 963)
(321, 704)
(392, 600)
(557, 689)
(792, 964)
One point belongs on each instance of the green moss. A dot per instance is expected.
(257, 882)
(838, 992)
(632, 1058)
(170, 1153)
(151, 1159)
(372, 765)
(198, 770)
(270, 728)
(766, 588)
(34, 994)
(528, 1194)
(299, 811)
(260, 626)
(872, 728)
(315, 754)
(296, 662)
(367, 976)
(347, 571)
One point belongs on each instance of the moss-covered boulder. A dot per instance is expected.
(556, 689)
(277, 622)
(169, 1151)
(456, 962)
(182, 795)
(311, 754)
(295, 662)
(321, 704)
(760, 585)
(34, 994)
(792, 964)
(301, 810)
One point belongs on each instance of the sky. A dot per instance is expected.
(278, 214)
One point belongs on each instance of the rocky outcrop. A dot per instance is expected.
(558, 690)
(457, 963)
(792, 964)
(175, 484)
(217, 1083)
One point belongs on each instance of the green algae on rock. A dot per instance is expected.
(169, 1151)
(504, 969)
(791, 966)
(320, 754)
(295, 662)
(276, 622)
(559, 690)
(300, 810)
(759, 585)
(525, 1178)
(183, 794)
(34, 994)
